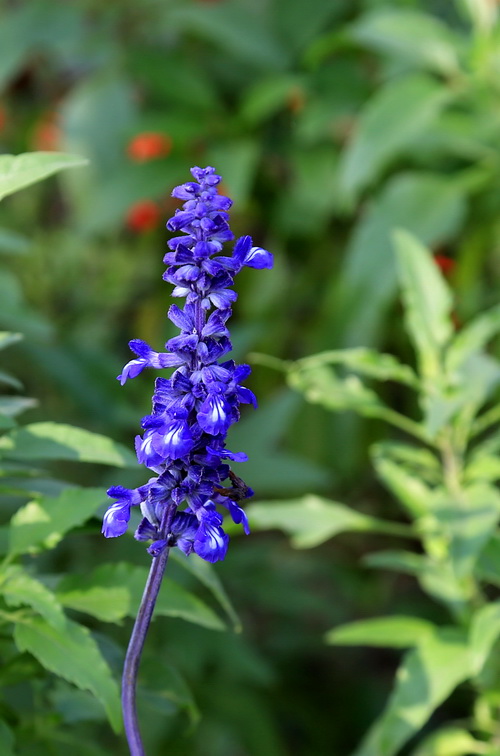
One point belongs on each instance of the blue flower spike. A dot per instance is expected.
(183, 440)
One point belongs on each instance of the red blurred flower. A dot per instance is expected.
(47, 134)
(446, 264)
(143, 216)
(148, 145)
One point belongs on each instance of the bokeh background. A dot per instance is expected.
(332, 122)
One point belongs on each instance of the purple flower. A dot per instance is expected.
(183, 441)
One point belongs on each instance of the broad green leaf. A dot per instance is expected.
(416, 38)
(427, 301)
(368, 362)
(7, 741)
(428, 675)
(107, 604)
(18, 588)
(7, 338)
(42, 523)
(484, 632)
(173, 599)
(58, 441)
(75, 705)
(312, 520)
(18, 171)
(450, 741)
(482, 13)
(395, 116)
(391, 632)
(73, 655)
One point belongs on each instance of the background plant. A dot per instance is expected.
(333, 123)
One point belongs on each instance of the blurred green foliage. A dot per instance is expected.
(333, 123)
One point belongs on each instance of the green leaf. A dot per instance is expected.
(18, 171)
(41, 524)
(451, 741)
(408, 35)
(73, 655)
(427, 676)
(320, 385)
(467, 523)
(484, 632)
(312, 520)
(415, 460)
(58, 441)
(430, 206)
(12, 406)
(368, 362)
(410, 490)
(173, 600)
(18, 588)
(488, 565)
(395, 116)
(12, 243)
(107, 604)
(472, 338)
(268, 96)
(427, 300)
(391, 632)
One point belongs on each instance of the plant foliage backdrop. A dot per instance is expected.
(359, 141)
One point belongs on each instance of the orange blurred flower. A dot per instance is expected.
(446, 264)
(47, 134)
(143, 216)
(148, 146)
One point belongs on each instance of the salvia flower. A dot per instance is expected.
(183, 439)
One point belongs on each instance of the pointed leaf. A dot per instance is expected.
(59, 441)
(396, 115)
(18, 588)
(106, 604)
(484, 632)
(173, 600)
(427, 676)
(391, 632)
(6, 740)
(427, 301)
(41, 524)
(312, 520)
(368, 362)
(18, 171)
(408, 35)
(72, 654)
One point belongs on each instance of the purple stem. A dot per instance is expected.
(138, 638)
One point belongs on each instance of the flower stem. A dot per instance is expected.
(137, 640)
